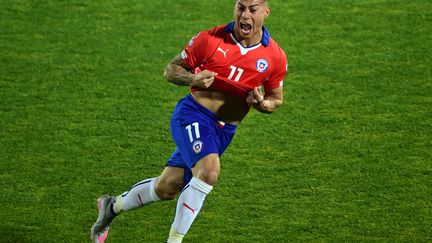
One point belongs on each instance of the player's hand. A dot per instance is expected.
(255, 97)
(203, 79)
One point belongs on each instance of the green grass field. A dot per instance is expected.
(85, 111)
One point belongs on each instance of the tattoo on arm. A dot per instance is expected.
(178, 72)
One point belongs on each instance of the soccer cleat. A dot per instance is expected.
(99, 231)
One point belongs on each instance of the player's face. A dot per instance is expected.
(249, 17)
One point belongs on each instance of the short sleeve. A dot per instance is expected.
(276, 79)
(194, 52)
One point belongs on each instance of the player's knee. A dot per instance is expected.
(208, 169)
(168, 189)
(209, 176)
(166, 195)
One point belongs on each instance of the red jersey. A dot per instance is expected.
(240, 69)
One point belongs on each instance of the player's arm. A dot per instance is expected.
(268, 102)
(179, 73)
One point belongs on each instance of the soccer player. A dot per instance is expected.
(230, 68)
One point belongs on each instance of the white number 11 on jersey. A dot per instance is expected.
(233, 71)
(189, 130)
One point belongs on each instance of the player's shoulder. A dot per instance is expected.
(276, 56)
(275, 48)
(212, 37)
(217, 31)
(271, 46)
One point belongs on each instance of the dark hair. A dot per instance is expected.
(264, 2)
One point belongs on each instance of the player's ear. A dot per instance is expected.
(267, 11)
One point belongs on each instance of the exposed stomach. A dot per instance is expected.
(229, 108)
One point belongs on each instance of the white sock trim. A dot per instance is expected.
(200, 185)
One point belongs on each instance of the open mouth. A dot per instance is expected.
(245, 28)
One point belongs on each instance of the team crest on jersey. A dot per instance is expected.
(197, 146)
(262, 65)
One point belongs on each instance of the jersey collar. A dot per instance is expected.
(265, 38)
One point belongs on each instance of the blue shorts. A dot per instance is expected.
(197, 132)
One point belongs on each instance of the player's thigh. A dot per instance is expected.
(170, 182)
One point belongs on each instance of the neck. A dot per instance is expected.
(251, 41)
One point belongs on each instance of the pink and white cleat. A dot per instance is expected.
(99, 231)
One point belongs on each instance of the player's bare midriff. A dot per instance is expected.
(229, 108)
